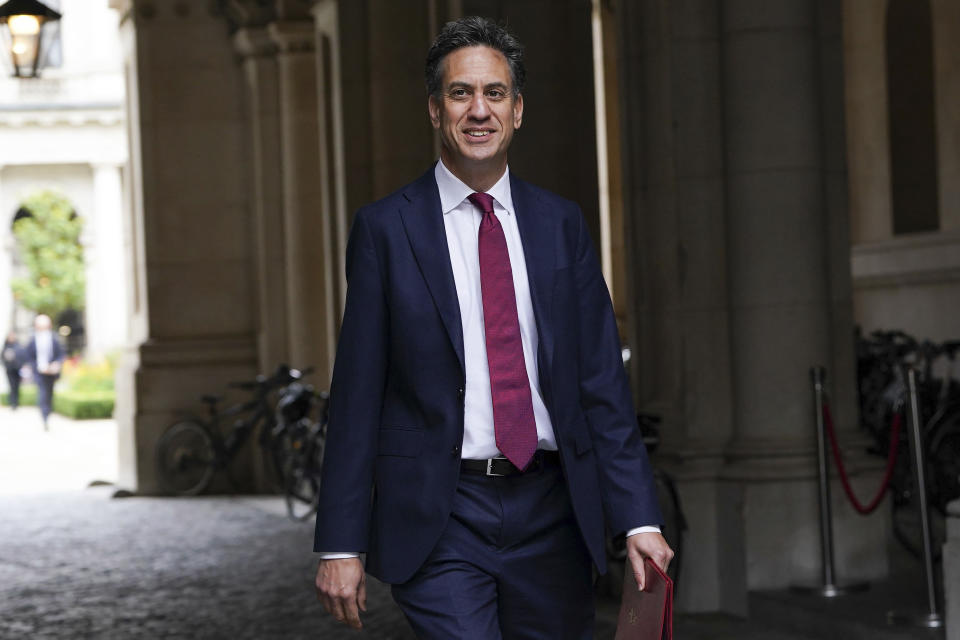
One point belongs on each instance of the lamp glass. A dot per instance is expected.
(24, 50)
(24, 25)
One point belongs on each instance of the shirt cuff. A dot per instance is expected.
(337, 555)
(649, 529)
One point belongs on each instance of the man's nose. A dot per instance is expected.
(479, 109)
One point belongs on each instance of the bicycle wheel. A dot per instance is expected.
(271, 456)
(301, 455)
(185, 458)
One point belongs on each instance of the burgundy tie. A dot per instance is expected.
(513, 421)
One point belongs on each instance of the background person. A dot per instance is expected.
(45, 355)
(12, 361)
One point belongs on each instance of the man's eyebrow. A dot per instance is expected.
(462, 84)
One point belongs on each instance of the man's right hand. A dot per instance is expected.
(342, 588)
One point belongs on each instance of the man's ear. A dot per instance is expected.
(518, 111)
(433, 108)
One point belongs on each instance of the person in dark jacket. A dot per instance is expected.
(45, 355)
(12, 361)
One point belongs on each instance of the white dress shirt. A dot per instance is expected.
(44, 343)
(461, 221)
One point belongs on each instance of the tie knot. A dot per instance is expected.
(484, 201)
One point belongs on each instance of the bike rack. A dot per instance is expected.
(932, 618)
(828, 587)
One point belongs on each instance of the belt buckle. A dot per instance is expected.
(490, 472)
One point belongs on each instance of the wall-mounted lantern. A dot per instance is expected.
(27, 28)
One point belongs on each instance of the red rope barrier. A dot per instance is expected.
(891, 461)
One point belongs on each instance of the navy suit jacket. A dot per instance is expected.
(392, 457)
(31, 356)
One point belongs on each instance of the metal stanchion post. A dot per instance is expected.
(828, 588)
(932, 617)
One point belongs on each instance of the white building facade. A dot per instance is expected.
(65, 132)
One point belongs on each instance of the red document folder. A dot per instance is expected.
(647, 614)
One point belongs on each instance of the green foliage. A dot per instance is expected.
(49, 242)
(78, 405)
(28, 396)
(85, 375)
(84, 391)
(83, 405)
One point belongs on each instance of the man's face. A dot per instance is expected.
(476, 113)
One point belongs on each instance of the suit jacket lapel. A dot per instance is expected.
(538, 234)
(423, 221)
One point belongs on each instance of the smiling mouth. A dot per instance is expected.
(478, 134)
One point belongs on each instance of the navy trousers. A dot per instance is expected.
(45, 394)
(13, 380)
(511, 564)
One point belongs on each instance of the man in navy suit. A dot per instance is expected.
(45, 355)
(481, 431)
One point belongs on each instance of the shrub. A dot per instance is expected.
(83, 405)
(81, 375)
(85, 391)
(28, 396)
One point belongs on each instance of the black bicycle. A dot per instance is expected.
(191, 451)
(300, 446)
(881, 358)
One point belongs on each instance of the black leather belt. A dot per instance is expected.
(501, 467)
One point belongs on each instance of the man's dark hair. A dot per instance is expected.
(469, 32)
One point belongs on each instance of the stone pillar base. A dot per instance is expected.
(160, 383)
(779, 511)
(712, 572)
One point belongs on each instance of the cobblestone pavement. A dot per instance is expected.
(83, 565)
(77, 564)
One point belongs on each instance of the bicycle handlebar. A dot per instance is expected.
(282, 376)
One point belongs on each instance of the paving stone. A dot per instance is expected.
(83, 565)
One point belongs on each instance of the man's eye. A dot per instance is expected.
(496, 94)
(458, 93)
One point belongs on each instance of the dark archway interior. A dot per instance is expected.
(913, 150)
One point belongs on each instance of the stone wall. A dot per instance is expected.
(906, 281)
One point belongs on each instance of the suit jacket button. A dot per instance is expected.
(460, 393)
(456, 450)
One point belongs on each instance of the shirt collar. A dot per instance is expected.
(453, 191)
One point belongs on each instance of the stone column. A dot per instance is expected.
(946, 82)
(332, 153)
(107, 286)
(674, 173)
(868, 125)
(782, 316)
(310, 316)
(194, 318)
(6, 262)
(260, 72)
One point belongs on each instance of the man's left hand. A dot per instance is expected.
(648, 545)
